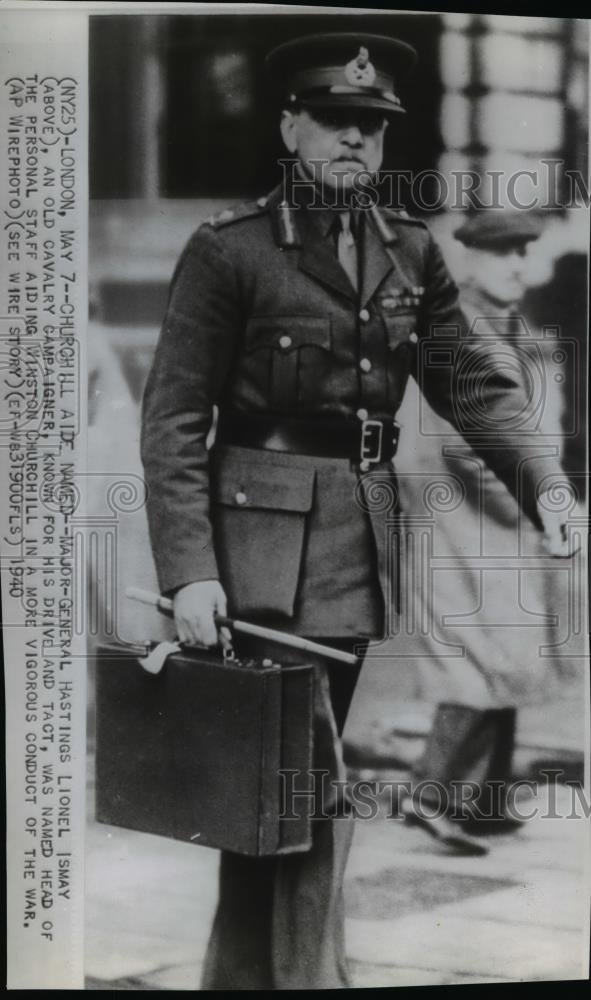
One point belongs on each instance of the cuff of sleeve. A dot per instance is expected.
(187, 568)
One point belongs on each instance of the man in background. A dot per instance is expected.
(473, 732)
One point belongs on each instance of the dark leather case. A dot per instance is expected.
(194, 752)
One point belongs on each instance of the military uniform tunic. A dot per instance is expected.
(260, 323)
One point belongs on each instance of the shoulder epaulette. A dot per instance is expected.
(245, 210)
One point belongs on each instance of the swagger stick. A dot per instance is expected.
(164, 605)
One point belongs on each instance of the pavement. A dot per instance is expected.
(416, 915)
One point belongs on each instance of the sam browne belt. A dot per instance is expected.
(366, 442)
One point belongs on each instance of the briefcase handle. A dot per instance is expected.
(164, 605)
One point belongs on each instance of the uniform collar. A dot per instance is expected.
(378, 261)
(318, 256)
(317, 251)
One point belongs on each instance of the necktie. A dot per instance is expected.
(346, 249)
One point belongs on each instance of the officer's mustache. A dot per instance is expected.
(332, 196)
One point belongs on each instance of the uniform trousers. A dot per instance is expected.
(280, 920)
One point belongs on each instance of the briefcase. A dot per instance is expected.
(195, 752)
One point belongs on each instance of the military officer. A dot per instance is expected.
(300, 317)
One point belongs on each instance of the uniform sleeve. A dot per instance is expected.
(190, 367)
(478, 386)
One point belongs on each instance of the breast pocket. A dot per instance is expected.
(291, 353)
(260, 505)
(401, 336)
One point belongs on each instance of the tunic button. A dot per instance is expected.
(413, 338)
(364, 315)
(285, 342)
(240, 498)
(362, 414)
(365, 365)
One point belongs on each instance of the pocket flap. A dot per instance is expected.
(288, 333)
(264, 485)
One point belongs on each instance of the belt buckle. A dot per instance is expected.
(371, 441)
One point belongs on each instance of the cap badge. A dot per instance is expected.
(360, 72)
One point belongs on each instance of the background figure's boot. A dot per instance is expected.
(449, 780)
(496, 810)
